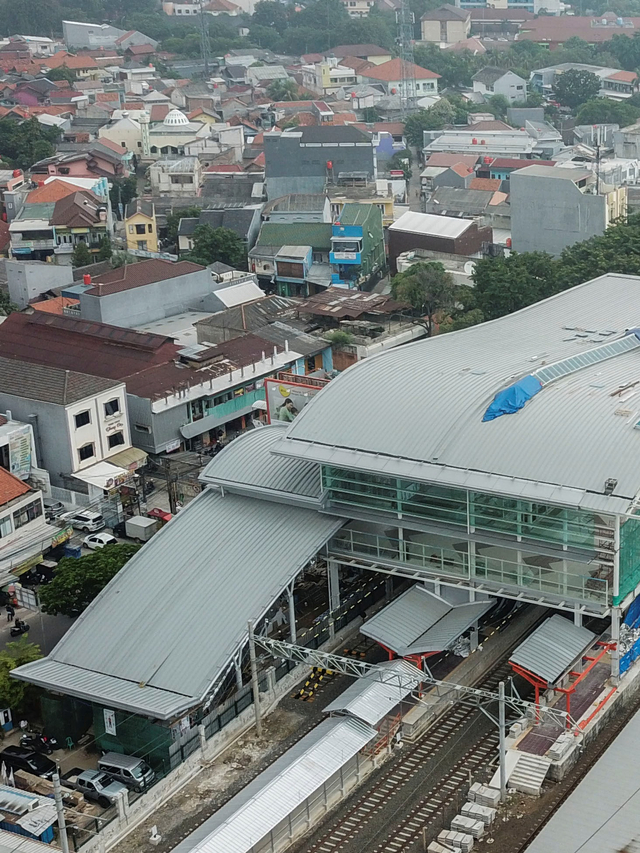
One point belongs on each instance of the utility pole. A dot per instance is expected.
(503, 750)
(255, 687)
(57, 795)
(405, 20)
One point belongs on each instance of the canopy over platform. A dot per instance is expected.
(420, 622)
(553, 649)
(372, 697)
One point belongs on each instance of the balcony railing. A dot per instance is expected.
(236, 404)
(491, 571)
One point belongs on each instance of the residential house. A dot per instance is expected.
(441, 164)
(25, 535)
(125, 132)
(370, 52)
(305, 160)
(243, 221)
(27, 280)
(140, 226)
(328, 78)
(357, 246)
(140, 52)
(178, 177)
(553, 32)
(80, 421)
(445, 26)
(390, 75)
(496, 81)
(512, 144)
(78, 34)
(264, 75)
(94, 161)
(501, 168)
(293, 258)
(553, 208)
(358, 8)
(435, 233)
(481, 200)
(194, 97)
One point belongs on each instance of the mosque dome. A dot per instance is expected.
(175, 118)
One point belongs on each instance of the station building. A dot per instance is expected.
(500, 461)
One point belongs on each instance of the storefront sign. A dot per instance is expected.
(118, 426)
(62, 536)
(20, 452)
(109, 721)
(286, 399)
(172, 445)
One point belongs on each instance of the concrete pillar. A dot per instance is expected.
(577, 616)
(333, 583)
(292, 615)
(388, 588)
(203, 740)
(238, 670)
(473, 638)
(615, 637)
(472, 559)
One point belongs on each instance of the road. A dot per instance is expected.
(45, 630)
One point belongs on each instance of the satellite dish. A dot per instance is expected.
(469, 267)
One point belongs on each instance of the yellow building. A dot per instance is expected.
(140, 226)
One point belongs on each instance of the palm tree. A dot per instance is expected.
(283, 90)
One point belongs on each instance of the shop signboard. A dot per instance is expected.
(109, 721)
(20, 452)
(286, 399)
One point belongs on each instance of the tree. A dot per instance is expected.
(81, 255)
(434, 118)
(606, 111)
(122, 191)
(370, 115)
(428, 288)
(62, 73)
(14, 694)
(218, 244)
(498, 105)
(270, 14)
(575, 87)
(402, 160)
(105, 251)
(283, 90)
(504, 285)
(78, 581)
(24, 143)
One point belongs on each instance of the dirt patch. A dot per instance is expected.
(218, 781)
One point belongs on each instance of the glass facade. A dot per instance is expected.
(469, 510)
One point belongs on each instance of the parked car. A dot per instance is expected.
(21, 758)
(85, 520)
(52, 509)
(132, 772)
(98, 540)
(95, 785)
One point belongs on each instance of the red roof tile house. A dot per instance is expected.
(391, 76)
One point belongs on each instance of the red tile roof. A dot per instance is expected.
(487, 184)
(392, 70)
(395, 128)
(108, 96)
(461, 169)
(112, 146)
(160, 111)
(141, 49)
(75, 63)
(624, 76)
(55, 305)
(140, 274)
(489, 14)
(560, 28)
(11, 487)
(224, 167)
(51, 192)
(489, 125)
(259, 161)
(357, 50)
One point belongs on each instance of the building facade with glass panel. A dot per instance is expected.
(504, 458)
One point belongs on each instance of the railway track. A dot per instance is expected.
(416, 786)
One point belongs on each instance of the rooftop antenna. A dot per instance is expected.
(405, 20)
(205, 46)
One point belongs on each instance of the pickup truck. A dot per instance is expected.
(95, 785)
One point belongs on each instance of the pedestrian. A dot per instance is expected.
(10, 612)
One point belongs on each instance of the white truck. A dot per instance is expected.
(140, 528)
(96, 785)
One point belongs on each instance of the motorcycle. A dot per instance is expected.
(18, 628)
(149, 487)
(39, 742)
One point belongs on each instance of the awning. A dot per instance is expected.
(103, 475)
(211, 422)
(553, 648)
(131, 458)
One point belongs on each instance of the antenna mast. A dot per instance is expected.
(405, 20)
(205, 47)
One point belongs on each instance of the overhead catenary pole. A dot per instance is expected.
(503, 749)
(255, 687)
(57, 795)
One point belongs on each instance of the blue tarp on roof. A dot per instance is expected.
(513, 398)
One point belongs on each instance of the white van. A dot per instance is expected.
(132, 772)
(85, 520)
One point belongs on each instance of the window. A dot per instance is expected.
(139, 144)
(82, 419)
(142, 428)
(150, 228)
(5, 526)
(142, 245)
(131, 229)
(115, 440)
(86, 452)
(27, 513)
(140, 229)
(112, 407)
(124, 144)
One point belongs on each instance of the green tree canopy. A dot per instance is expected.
(504, 285)
(283, 90)
(218, 244)
(106, 250)
(575, 87)
(272, 14)
(428, 288)
(81, 255)
(173, 220)
(14, 694)
(434, 118)
(62, 73)
(78, 581)
(606, 111)
(122, 191)
(24, 143)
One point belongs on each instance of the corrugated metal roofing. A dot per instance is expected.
(552, 648)
(418, 621)
(372, 697)
(230, 556)
(431, 224)
(248, 461)
(577, 433)
(266, 801)
(602, 815)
